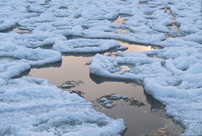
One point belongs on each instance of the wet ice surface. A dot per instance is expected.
(172, 75)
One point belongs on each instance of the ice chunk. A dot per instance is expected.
(108, 105)
(11, 69)
(172, 75)
(103, 99)
(35, 107)
(34, 57)
(85, 45)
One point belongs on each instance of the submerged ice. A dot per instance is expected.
(34, 33)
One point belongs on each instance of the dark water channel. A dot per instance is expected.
(149, 119)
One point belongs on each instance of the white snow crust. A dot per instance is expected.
(34, 33)
(85, 45)
(35, 107)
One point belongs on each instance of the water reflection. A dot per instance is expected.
(135, 47)
(120, 20)
(73, 68)
(174, 25)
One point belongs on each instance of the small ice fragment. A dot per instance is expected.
(77, 92)
(106, 102)
(108, 105)
(137, 103)
(115, 97)
(104, 99)
(65, 86)
(124, 97)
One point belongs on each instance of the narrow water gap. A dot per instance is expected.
(120, 20)
(22, 31)
(16, 28)
(135, 47)
(174, 25)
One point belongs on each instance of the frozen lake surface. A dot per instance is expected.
(34, 33)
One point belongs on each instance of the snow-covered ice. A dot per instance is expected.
(86, 45)
(172, 75)
(35, 107)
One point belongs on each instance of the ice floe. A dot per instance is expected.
(86, 45)
(173, 81)
(9, 69)
(171, 75)
(35, 107)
